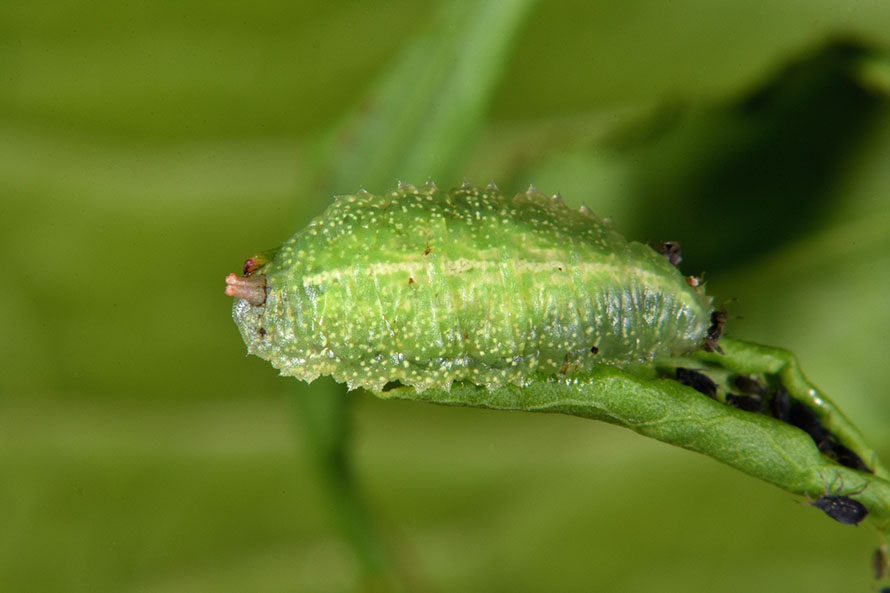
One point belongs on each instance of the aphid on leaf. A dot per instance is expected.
(843, 455)
(749, 386)
(698, 381)
(841, 508)
(427, 287)
(806, 419)
(780, 405)
(748, 403)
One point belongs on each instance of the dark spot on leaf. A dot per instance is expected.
(594, 350)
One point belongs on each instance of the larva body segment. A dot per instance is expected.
(426, 287)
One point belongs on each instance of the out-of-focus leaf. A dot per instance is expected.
(425, 112)
(762, 444)
(739, 179)
(824, 295)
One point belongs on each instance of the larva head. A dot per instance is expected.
(427, 287)
(256, 261)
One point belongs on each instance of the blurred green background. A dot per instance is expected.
(147, 148)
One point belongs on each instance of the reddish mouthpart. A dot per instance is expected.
(252, 290)
(250, 266)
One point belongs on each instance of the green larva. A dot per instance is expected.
(426, 287)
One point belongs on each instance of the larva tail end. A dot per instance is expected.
(252, 289)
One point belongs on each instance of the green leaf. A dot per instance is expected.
(661, 408)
